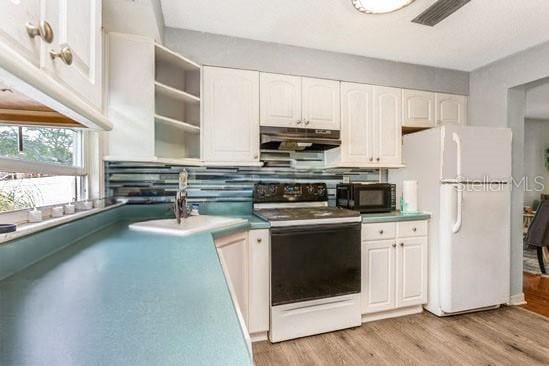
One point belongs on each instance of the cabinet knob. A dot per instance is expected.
(65, 55)
(298, 122)
(259, 240)
(256, 156)
(377, 159)
(414, 229)
(394, 245)
(307, 123)
(381, 232)
(371, 159)
(401, 244)
(43, 30)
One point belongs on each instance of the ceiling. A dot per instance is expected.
(477, 34)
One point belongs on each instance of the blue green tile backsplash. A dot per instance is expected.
(152, 183)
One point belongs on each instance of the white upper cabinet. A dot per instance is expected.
(356, 123)
(280, 97)
(231, 116)
(451, 109)
(371, 132)
(418, 109)
(387, 126)
(13, 28)
(76, 46)
(321, 105)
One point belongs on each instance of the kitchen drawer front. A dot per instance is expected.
(380, 231)
(412, 228)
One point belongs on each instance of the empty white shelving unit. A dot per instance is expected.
(153, 101)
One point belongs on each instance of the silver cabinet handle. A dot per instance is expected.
(65, 55)
(43, 30)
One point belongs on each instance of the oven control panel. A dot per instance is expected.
(290, 192)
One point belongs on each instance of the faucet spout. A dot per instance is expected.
(180, 207)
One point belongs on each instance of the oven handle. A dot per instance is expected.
(315, 228)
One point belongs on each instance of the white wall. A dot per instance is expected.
(494, 102)
(139, 17)
(536, 140)
(217, 50)
(537, 102)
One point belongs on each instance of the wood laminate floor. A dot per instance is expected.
(536, 293)
(507, 336)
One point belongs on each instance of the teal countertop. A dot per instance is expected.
(394, 216)
(122, 297)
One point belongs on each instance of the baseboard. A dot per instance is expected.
(259, 336)
(392, 313)
(517, 299)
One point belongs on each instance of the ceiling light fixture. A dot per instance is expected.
(380, 6)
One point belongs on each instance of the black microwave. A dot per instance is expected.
(367, 197)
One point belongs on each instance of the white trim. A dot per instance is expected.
(259, 336)
(392, 313)
(517, 299)
(28, 229)
(11, 165)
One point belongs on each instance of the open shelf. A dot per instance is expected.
(174, 93)
(187, 127)
(164, 54)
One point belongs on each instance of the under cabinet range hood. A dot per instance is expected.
(298, 139)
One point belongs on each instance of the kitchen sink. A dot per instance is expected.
(188, 226)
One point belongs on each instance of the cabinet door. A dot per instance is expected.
(356, 123)
(411, 272)
(321, 106)
(13, 33)
(231, 115)
(451, 109)
(259, 277)
(77, 25)
(418, 108)
(280, 100)
(378, 276)
(387, 125)
(233, 255)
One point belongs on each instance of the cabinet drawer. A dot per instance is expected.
(412, 228)
(386, 230)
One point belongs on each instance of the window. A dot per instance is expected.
(40, 166)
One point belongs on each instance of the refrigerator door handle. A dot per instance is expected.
(457, 226)
(457, 140)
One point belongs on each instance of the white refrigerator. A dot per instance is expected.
(464, 181)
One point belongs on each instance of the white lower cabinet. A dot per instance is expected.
(394, 269)
(244, 258)
(259, 281)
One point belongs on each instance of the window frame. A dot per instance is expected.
(85, 152)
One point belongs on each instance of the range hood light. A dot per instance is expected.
(380, 6)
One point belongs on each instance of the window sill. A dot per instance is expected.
(31, 228)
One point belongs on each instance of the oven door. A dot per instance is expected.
(373, 198)
(314, 262)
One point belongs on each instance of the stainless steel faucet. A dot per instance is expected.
(180, 206)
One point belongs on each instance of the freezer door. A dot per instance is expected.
(474, 244)
(475, 154)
